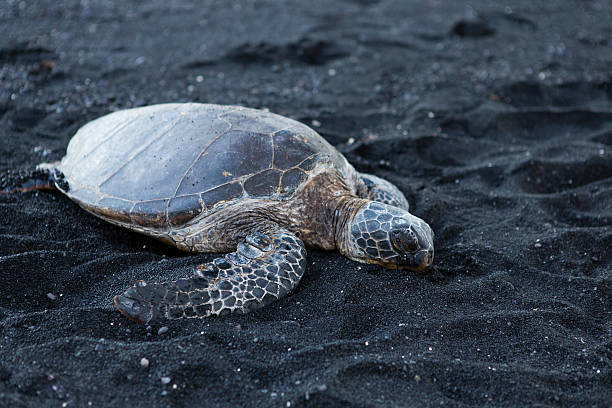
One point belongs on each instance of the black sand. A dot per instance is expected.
(495, 119)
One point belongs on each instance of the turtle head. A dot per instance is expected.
(389, 236)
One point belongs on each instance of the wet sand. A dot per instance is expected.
(495, 120)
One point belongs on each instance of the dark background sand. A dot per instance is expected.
(498, 130)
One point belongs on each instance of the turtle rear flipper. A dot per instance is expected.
(44, 177)
(264, 268)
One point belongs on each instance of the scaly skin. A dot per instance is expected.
(264, 268)
(386, 235)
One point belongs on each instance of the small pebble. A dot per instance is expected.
(51, 296)
(144, 362)
(162, 330)
(165, 380)
(417, 378)
(315, 123)
(537, 245)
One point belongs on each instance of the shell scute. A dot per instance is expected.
(258, 121)
(291, 180)
(310, 162)
(184, 208)
(222, 194)
(264, 183)
(119, 208)
(290, 148)
(234, 155)
(149, 213)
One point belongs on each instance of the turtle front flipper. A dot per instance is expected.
(264, 268)
(381, 190)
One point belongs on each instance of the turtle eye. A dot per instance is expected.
(404, 239)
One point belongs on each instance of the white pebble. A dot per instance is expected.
(51, 296)
(144, 362)
(165, 380)
(162, 330)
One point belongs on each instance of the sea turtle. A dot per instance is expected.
(212, 178)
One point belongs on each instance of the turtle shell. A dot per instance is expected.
(162, 165)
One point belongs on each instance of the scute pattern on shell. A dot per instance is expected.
(162, 165)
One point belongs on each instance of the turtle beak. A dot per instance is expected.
(423, 259)
(417, 261)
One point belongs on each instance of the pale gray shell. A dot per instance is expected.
(163, 165)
